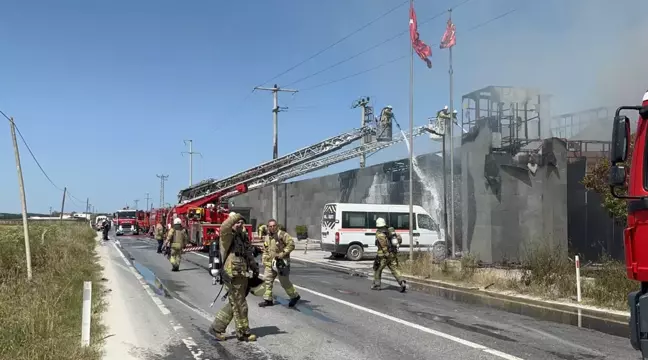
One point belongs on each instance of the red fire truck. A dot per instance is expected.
(143, 221)
(126, 222)
(632, 186)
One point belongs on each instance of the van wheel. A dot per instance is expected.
(355, 252)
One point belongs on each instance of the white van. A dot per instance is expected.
(350, 229)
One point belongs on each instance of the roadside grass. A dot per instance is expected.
(41, 319)
(545, 272)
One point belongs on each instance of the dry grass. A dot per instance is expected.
(545, 272)
(41, 319)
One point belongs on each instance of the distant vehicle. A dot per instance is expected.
(350, 229)
(98, 220)
(126, 222)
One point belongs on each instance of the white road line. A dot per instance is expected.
(409, 324)
(156, 300)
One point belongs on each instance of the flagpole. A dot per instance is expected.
(452, 202)
(411, 150)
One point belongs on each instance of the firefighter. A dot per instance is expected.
(255, 286)
(277, 247)
(159, 235)
(262, 231)
(236, 268)
(105, 227)
(177, 238)
(387, 244)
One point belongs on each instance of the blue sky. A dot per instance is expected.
(105, 92)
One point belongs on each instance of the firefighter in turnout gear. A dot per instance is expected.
(277, 246)
(239, 266)
(225, 315)
(262, 231)
(387, 243)
(176, 239)
(159, 235)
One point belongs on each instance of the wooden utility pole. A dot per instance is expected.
(63, 203)
(23, 198)
(275, 147)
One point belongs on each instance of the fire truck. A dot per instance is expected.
(203, 207)
(155, 215)
(632, 185)
(143, 221)
(125, 222)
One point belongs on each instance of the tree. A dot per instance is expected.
(597, 180)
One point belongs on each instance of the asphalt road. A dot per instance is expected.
(340, 318)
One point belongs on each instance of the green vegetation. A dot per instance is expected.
(597, 180)
(301, 231)
(41, 319)
(545, 272)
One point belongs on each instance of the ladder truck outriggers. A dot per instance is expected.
(203, 207)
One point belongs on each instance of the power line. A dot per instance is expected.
(336, 43)
(396, 36)
(406, 56)
(68, 194)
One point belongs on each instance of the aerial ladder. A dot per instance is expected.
(204, 205)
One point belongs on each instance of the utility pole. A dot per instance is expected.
(87, 205)
(63, 202)
(147, 200)
(362, 104)
(275, 149)
(136, 201)
(191, 154)
(23, 198)
(163, 178)
(50, 211)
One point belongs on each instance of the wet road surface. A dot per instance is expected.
(340, 318)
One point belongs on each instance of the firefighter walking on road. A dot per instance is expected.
(238, 269)
(277, 246)
(159, 235)
(255, 286)
(387, 243)
(177, 238)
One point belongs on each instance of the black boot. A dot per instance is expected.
(403, 285)
(266, 303)
(294, 301)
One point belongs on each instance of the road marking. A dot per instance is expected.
(407, 323)
(140, 278)
(189, 343)
(414, 326)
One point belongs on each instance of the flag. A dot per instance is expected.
(422, 49)
(449, 38)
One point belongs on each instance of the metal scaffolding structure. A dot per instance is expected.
(516, 116)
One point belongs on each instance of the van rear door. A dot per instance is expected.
(329, 223)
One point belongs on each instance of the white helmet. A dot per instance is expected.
(389, 107)
(177, 221)
(454, 111)
(380, 222)
(445, 107)
(278, 266)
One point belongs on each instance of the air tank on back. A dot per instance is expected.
(384, 129)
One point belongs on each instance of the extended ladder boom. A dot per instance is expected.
(275, 166)
(317, 164)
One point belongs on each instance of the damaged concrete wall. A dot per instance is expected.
(510, 203)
